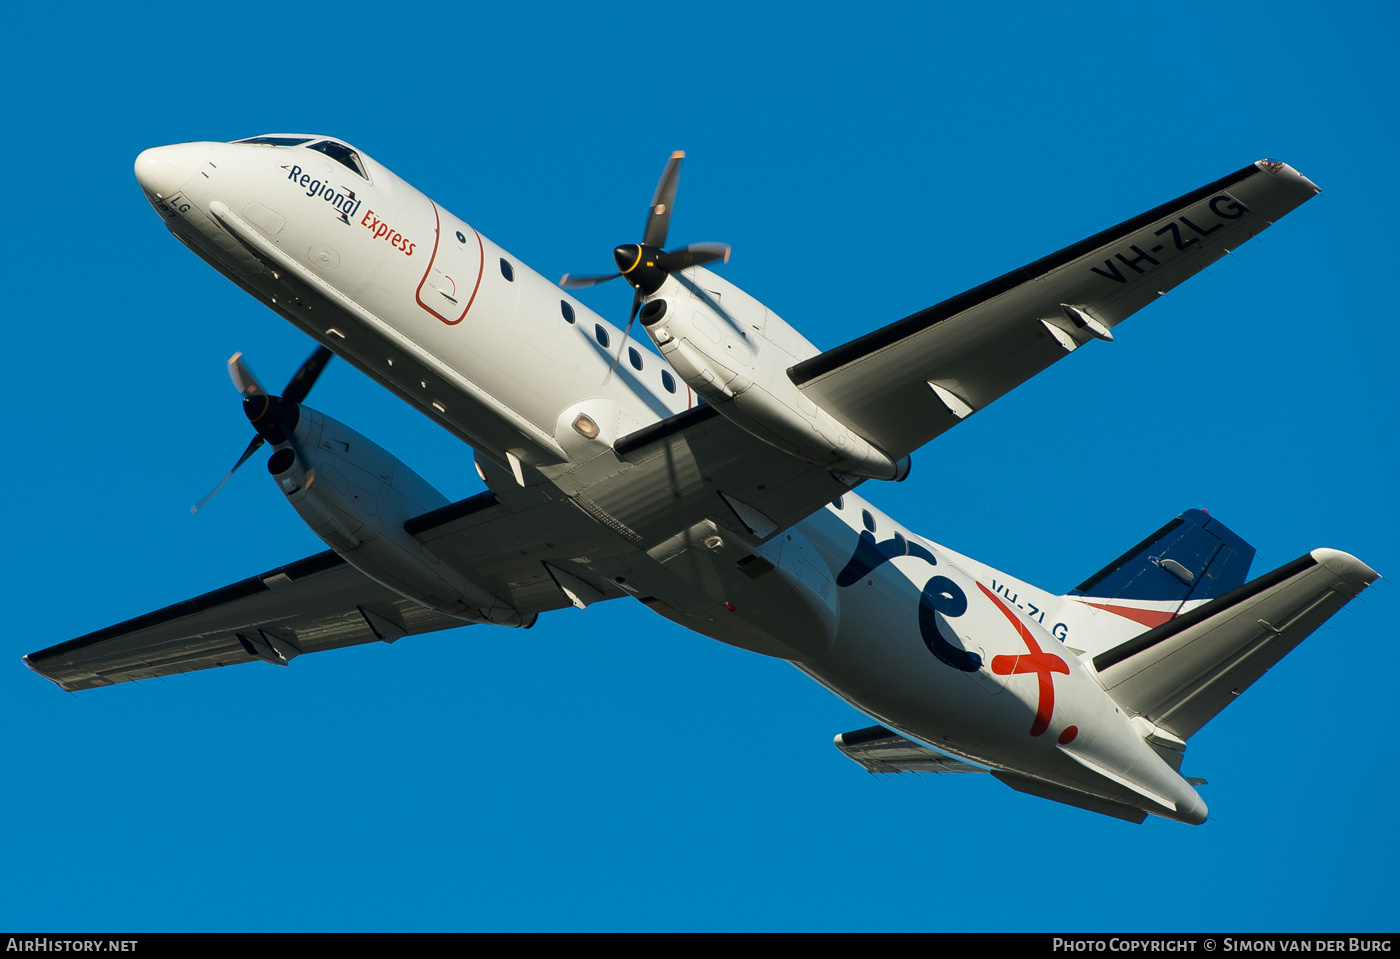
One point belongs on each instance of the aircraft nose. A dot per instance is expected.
(162, 171)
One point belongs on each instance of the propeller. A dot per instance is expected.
(646, 265)
(271, 416)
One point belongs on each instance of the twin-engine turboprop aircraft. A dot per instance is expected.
(712, 479)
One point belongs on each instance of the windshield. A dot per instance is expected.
(276, 141)
(342, 154)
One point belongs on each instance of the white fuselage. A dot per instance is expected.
(916, 636)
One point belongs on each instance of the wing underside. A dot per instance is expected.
(315, 604)
(902, 385)
(521, 544)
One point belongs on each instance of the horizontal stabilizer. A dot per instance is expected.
(1181, 674)
(1059, 794)
(881, 751)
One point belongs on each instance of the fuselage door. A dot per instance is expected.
(453, 276)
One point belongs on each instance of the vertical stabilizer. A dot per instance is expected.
(1193, 558)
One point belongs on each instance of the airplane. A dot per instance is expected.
(706, 467)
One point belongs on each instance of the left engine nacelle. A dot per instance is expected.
(356, 497)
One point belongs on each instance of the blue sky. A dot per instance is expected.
(607, 770)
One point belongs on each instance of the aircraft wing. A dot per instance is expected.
(902, 385)
(518, 543)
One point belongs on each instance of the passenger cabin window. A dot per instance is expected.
(277, 141)
(634, 358)
(567, 310)
(839, 502)
(601, 334)
(341, 154)
(867, 519)
(668, 381)
(507, 270)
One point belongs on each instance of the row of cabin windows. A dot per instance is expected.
(868, 522)
(634, 356)
(866, 519)
(601, 335)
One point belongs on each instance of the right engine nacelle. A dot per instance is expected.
(735, 353)
(356, 497)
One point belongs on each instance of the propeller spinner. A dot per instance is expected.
(646, 265)
(272, 417)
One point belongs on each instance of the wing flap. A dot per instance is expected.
(979, 345)
(1182, 673)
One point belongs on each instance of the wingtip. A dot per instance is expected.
(678, 155)
(1346, 566)
(1289, 175)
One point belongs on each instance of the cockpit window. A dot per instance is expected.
(341, 154)
(277, 141)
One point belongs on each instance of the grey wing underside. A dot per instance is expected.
(517, 543)
(317, 603)
(904, 384)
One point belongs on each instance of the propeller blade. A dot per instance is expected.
(252, 448)
(571, 282)
(300, 384)
(245, 381)
(626, 332)
(659, 214)
(693, 255)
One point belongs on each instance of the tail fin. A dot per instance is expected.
(1194, 557)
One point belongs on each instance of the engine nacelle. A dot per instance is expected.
(734, 352)
(356, 497)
